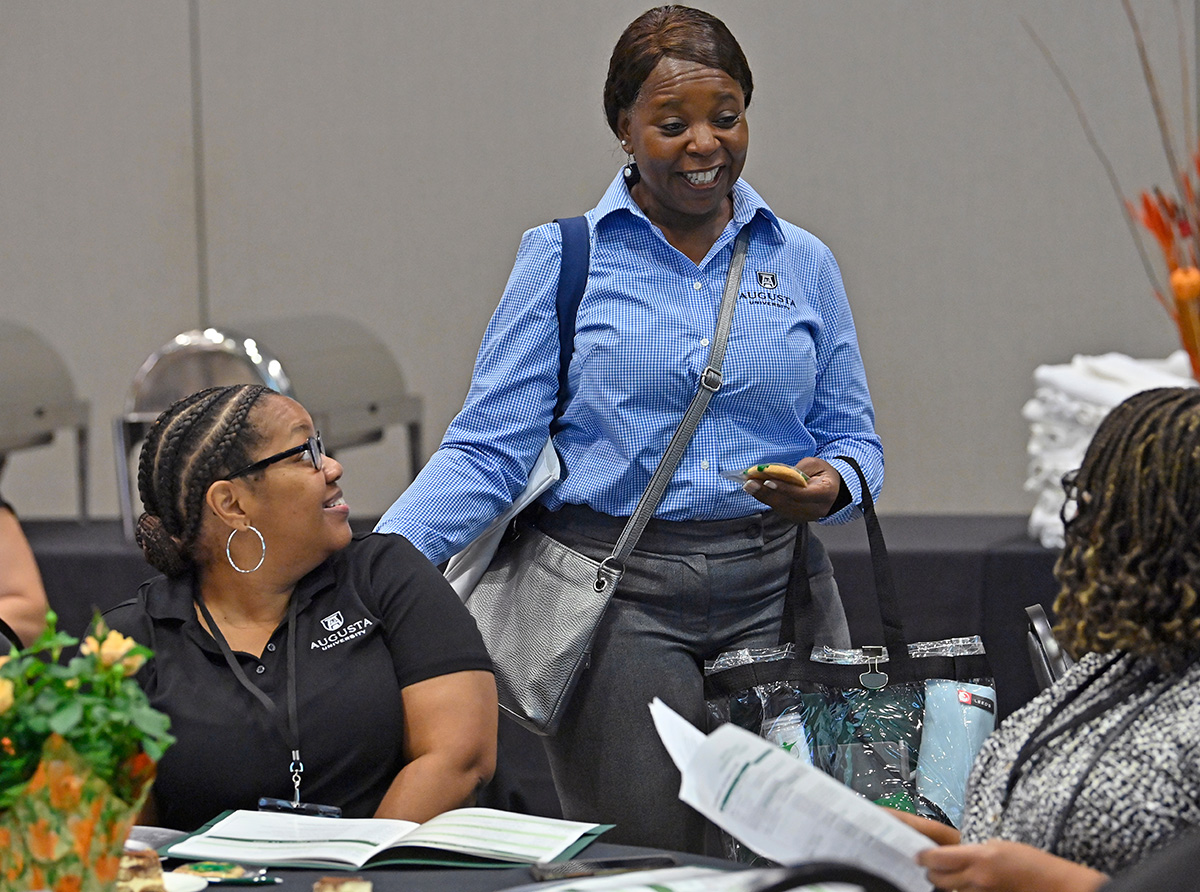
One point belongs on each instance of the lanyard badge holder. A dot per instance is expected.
(289, 730)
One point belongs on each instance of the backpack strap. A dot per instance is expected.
(572, 280)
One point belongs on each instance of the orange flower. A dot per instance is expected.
(65, 785)
(71, 882)
(38, 781)
(106, 868)
(16, 865)
(5, 839)
(1185, 282)
(37, 879)
(140, 770)
(42, 843)
(1152, 218)
(82, 830)
(112, 650)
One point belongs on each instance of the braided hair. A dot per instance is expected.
(1130, 569)
(195, 442)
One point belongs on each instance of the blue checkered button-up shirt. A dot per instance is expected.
(793, 378)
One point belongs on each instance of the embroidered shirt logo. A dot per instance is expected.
(769, 298)
(340, 631)
(767, 280)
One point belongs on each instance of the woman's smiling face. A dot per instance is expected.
(299, 509)
(687, 130)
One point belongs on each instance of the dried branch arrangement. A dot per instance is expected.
(1171, 217)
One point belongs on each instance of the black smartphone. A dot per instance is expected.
(591, 867)
(266, 803)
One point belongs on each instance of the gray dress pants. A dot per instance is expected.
(691, 590)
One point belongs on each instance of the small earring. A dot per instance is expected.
(630, 170)
(262, 544)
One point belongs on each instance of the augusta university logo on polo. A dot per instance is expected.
(339, 630)
(333, 622)
(769, 295)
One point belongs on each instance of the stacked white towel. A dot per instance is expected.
(1068, 404)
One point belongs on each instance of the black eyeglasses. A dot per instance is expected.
(313, 446)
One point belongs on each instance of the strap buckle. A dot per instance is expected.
(710, 379)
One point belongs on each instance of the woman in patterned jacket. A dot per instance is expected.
(1103, 767)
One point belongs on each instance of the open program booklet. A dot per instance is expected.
(782, 808)
(464, 837)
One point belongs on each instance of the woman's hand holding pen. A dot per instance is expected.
(796, 501)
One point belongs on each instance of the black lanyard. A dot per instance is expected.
(289, 730)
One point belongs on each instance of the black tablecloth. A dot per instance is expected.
(444, 879)
(955, 575)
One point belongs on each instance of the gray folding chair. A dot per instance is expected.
(1050, 661)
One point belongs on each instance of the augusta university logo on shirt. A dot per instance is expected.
(768, 293)
(339, 631)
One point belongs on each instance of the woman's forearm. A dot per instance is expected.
(432, 784)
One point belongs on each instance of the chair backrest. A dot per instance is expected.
(1050, 662)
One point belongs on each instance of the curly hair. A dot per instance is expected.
(678, 32)
(195, 442)
(1130, 569)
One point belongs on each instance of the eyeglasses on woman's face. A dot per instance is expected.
(312, 446)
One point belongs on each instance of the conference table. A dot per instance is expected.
(955, 575)
(449, 879)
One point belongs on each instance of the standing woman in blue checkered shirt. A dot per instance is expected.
(711, 569)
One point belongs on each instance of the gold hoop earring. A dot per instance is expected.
(262, 544)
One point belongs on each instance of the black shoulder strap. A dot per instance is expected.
(572, 280)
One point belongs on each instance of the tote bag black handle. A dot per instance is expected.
(799, 620)
(799, 612)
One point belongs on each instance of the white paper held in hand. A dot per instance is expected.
(782, 808)
(465, 568)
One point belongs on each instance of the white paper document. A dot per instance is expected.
(464, 569)
(782, 808)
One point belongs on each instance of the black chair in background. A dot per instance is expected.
(832, 872)
(1050, 661)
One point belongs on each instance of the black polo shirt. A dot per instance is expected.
(374, 618)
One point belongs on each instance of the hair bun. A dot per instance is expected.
(161, 549)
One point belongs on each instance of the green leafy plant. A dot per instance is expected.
(91, 701)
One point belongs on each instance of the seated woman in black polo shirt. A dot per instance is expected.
(291, 656)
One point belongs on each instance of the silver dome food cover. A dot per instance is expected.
(37, 398)
(346, 378)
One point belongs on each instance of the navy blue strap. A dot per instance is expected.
(572, 279)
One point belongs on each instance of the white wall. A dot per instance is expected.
(379, 159)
